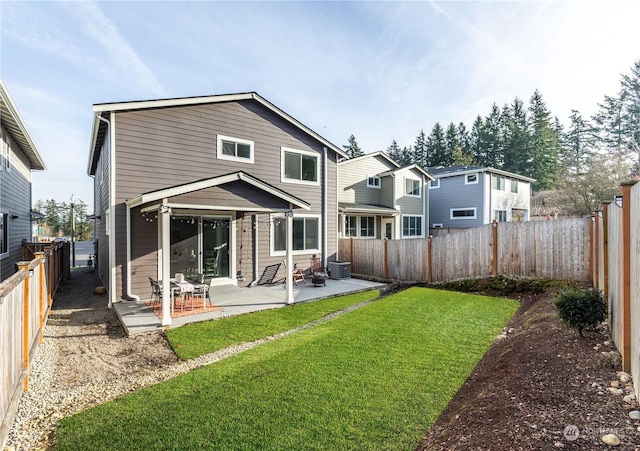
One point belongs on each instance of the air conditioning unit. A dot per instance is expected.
(340, 270)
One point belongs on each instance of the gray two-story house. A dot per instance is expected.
(222, 185)
(379, 199)
(18, 158)
(471, 196)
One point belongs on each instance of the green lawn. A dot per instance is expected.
(193, 340)
(375, 378)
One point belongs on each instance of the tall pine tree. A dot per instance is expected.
(352, 149)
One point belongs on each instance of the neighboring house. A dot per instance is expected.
(379, 199)
(18, 157)
(224, 185)
(467, 196)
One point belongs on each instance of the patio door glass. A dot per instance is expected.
(184, 246)
(215, 247)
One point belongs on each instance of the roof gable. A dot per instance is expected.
(103, 111)
(13, 123)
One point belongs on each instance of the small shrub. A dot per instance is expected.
(580, 309)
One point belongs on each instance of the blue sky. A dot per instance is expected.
(378, 70)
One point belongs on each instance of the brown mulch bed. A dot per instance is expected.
(534, 382)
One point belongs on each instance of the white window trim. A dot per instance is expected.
(514, 183)
(504, 183)
(284, 179)
(437, 184)
(374, 177)
(274, 253)
(6, 229)
(222, 156)
(506, 215)
(466, 179)
(475, 213)
(359, 227)
(438, 226)
(419, 187)
(421, 226)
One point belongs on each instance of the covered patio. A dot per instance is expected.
(137, 317)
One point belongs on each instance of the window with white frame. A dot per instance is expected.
(438, 226)
(235, 149)
(373, 181)
(367, 227)
(470, 179)
(299, 166)
(498, 182)
(411, 226)
(514, 186)
(351, 226)
(463, 213)
(500, 215)
(412, 187)
(4, 235)
(306, 234)
(433, 184)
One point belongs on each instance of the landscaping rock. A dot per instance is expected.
(629, 399)
(611, 440)
(624, 378)
(634, 414)
(615, 391)
(99, 291)
(615, 384)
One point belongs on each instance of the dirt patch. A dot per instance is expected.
(539, 378)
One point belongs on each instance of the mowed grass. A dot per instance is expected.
(375, 378)
(193, 340)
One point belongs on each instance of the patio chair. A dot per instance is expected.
(156, 293)
(298, 274)
(201, 290)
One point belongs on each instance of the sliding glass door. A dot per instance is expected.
(200, 245)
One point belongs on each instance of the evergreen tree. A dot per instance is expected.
(352, 149)
(421, 151)
(394, 152)
(630, 100)
(609, 125)
(406, 156)
(544, 145)
(578, 145)
(492, 149)
(437, 148)
(516, 138)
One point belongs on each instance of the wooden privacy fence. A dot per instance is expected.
(558, 249)
(616, 253)
(25, 303)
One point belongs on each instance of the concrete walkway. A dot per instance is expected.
(137, 318)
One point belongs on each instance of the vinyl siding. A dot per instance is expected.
(353, 180)
(454, 193)
(165, 147)
(15, 199)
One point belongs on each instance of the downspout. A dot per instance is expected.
(397, 223)
(133, 297)
(324, 208)
(111, 224)
(425, 220)
(256, 267)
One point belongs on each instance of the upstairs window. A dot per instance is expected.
(373, 182)
(299, 166)
(235, 149)
(514, 186)
(412, 187)
(433, 184)
(470, 179)
(463, 213)
(498, 182)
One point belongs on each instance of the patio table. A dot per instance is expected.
(183, 288)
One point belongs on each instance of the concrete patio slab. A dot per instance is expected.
(137, 318)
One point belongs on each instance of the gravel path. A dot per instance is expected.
(86, 359)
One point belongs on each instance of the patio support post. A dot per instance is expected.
(164, 224)
(289, 284)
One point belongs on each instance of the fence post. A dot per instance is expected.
(494, 235)
(385, 264)
(41, 294)
(626, 275)
(596, 248)
(24, 266)
(429, 254)
(605, 248)
(351, 253)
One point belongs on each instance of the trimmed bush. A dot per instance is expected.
(580, 309)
